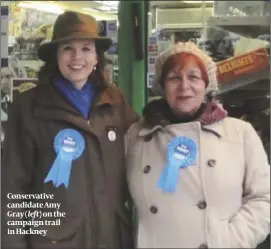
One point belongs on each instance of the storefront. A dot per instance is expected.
(235, 33)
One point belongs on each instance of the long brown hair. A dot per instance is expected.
(50, 70)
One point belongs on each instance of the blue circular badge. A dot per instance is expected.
(183, 149)
(69, 141)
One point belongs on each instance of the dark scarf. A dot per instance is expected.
(158, 112)
(80, 99)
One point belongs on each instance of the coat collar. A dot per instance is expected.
(50, 105)
(47, 96)
(215, 128)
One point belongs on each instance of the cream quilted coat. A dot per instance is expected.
(223, 201)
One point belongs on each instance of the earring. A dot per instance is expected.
(94, 68)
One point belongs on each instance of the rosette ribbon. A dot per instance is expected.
(69, 145)
(181, 152)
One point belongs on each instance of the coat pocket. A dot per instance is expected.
(63, 236)
(218, 231)
(124, 230)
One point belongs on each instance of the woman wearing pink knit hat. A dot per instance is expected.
(198, 178)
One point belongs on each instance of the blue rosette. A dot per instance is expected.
(69, 145)
(181, 152)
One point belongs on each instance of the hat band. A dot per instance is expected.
(76, 35)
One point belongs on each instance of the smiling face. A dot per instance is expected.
(76, 60)
(185, 83)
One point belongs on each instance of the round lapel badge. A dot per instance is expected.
(112, 135)
(181, 152)
(69, 144)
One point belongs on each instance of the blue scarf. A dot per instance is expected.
(81, 99)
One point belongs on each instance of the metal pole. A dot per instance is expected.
(132, 72)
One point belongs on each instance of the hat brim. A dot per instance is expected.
(47, 51)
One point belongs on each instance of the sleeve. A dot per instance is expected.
(251, 225)
(126, 142)
(129, 136)
(17, 166)
(130, 115)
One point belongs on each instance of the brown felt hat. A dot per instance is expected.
(69, 26)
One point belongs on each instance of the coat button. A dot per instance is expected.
(203, 246)
(153, 209)
(147, 169)
(202, 205)
(148, 138)
(211, 162)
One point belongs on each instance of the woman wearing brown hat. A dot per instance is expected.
(199, 179)
(63, 157)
